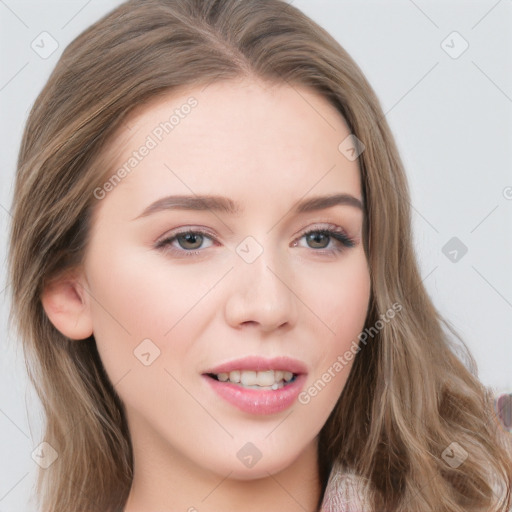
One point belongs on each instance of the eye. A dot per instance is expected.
(188, 243)
(192, 242)
(332, 239)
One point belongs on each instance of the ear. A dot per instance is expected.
(66, 303)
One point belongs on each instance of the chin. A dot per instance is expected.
(262, 468)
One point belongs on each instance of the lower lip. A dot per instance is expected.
(254, 401)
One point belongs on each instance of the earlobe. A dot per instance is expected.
(67, 306)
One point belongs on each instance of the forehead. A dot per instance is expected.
(241, 137)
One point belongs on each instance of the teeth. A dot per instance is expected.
(248, 378)
(268, 379)
(265, 378)
(234, 376)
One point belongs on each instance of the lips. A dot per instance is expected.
(256, 364)
(258, 385)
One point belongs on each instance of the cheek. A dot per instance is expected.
(349, 305)
(338, 297)
(341, 298)
(137, 297)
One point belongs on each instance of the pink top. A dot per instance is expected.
(344, 493)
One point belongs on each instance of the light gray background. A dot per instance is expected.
(452, 119)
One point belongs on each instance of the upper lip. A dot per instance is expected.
(257, 363)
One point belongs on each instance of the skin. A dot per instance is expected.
(265, 147)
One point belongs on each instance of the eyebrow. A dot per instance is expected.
(226, 205)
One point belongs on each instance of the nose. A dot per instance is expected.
(262, 296)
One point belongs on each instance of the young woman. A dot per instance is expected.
(214, 280)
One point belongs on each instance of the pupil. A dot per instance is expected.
(316, 238)
(190, 238)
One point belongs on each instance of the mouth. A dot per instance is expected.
(256, 385)
(261, 380)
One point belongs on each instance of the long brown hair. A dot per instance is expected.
(408, 397)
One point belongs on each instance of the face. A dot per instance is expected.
(210, 262)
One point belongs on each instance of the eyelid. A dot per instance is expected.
(327, 226)
(183, 230)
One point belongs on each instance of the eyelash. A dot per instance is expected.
(334, 232)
